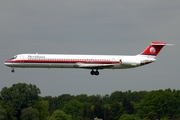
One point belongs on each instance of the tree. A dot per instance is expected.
(129, 117)
(63, 99)
(53, 103)
(99, 110)
(10, 111)
(2, 113)
(116, 96)
(106, 99)
(20, 96)
(161, 104)
(30, 114)
(59, 115)
(81, 98)
(74, 108)
(42, 107)
(87, 111)
(94, 98)
(107, 112)
(174, 111)
(116, 110)
(151, 116)
(127, 106)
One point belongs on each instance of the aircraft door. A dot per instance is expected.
(21, 59)
(113, 60)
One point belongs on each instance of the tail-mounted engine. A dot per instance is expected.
(130, 62)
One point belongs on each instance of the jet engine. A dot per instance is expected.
(130, 62)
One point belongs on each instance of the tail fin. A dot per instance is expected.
(153, 49)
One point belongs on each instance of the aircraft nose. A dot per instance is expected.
(7, 63)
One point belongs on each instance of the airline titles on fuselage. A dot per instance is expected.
(36, 57)
(46, 58)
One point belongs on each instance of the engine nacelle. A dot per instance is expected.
(130, 62)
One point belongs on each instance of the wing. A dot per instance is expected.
(94, 66)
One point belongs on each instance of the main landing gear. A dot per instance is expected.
(94, 72)
(12, 70)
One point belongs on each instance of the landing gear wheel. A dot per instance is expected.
(13, 70)
(96, 72)
(92, 72)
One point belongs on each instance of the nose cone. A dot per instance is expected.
(8, 63)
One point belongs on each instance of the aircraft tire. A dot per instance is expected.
(97, 73)
(92, 72)
(12, 70)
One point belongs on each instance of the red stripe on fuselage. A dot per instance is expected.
(64, 61)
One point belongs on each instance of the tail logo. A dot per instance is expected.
(152, 50)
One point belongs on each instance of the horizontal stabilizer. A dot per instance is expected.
(160, 43)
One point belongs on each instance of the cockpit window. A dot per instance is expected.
(13, 58)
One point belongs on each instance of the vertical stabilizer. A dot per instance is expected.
(153, 49)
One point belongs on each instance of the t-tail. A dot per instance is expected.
(153, 49)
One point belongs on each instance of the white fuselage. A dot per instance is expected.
(93, 62)
(77, 61)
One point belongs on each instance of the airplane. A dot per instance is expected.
(92, 62)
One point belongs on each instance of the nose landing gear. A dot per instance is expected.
(12, 70)
(94, 72)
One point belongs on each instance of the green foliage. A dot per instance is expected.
(176, 104)
(53, 103)
(2, 113)
(127, 107)
(129, 117)
(94, 98)
(116, 110)
(63, 99)
(10, 111)
(21, 101)
(116, 96)
(87, 112)
(74, 108)
(59, 115)
(106, 99)
(107, 113)
(30, 114)
(19, 96)
(151, 116)
(159, 104)
(99, 110)
(42, 107)
(81, 98)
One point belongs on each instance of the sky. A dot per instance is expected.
(118, 27)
